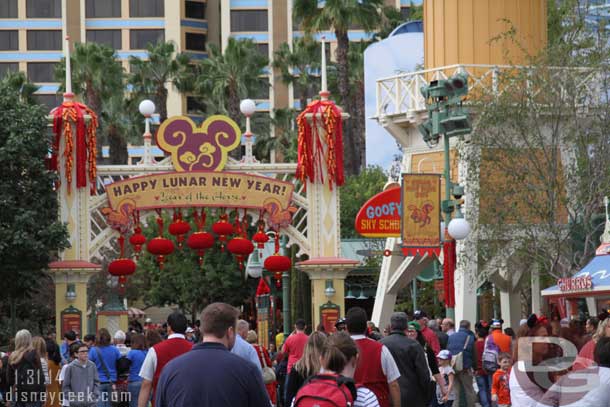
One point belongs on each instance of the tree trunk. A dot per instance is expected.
(161, 101)
(235, 114)
(358, 124)
(117, 146)
(350, 153)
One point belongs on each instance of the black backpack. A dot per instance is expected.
(29, 378)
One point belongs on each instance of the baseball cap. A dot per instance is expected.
(419, 314)
(189, 330)
(444, 354)
(414, 325)
(340, 321)
(496, 323)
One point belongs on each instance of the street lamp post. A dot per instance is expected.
(285, 294)
(447, 118)
(147, 109)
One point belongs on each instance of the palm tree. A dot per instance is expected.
(149, 77)
(284, 141)
(121, 124)
(96, 73)
(339, 16)
(298, 65)
(18, 82)
(224, 79)
(356, 80)
(97, 76)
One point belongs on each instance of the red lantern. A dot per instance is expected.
(160, 246)
(137, 240)
(260, 237)
(223, 228)
(122, 267)
(200, 241)
(179, 228)
(277, 264)
(241, 248)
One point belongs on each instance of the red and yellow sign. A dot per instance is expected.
(380, 215)
(421, 198)
(200, 188)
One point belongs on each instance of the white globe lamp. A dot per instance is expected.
(458, 228)
(146, 107)
(247, 107)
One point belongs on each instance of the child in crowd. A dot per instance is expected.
(500, 392)
(72, 354)
(81, 382)
(448, 375)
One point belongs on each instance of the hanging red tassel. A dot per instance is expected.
(449, 272)
(311, 160)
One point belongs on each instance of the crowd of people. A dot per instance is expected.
(219, 361)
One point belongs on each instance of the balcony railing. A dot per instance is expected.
(400, 94)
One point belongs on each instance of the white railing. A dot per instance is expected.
(101, 233)
(400, 94)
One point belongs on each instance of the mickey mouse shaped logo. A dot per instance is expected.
(203, 148)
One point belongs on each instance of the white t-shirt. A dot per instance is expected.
(147, 371)
(388, 364)
(523, 392)
(445, 371)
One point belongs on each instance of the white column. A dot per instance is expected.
(385, 301)
(536, 296)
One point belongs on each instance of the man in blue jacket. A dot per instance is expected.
(210, 375)
(463, 342)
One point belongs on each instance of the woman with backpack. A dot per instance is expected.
(25, 375)
(334, 385)
(307, 366)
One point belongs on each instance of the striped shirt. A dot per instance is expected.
(364, 398)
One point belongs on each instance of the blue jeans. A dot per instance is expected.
(134, 391)
(105, 394)
(484, 385)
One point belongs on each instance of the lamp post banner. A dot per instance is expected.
(421, 214)
(199, 188)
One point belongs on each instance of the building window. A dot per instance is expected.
(9, 40)
(139, 39)
(43, 8)
(195, 106)
(146, 8)
(262, 91)
(41, 71)
(103, 8)
(44, 40)
(8, 9)
(112, 38)
(194, 9)
(6, 67)
(249, 20)
(50, 101)
(263, 49)
(195, 42)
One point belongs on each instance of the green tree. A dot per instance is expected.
(151, 76)
(541, 147)
(96, 73)
(283, 142)
(356, 191)
(121, 120)
(340, 16)
(30, 233)
(98, 79)
(224, 79)
(184, 282)
(299, 66)
(17, 82)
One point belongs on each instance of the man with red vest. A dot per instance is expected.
(377, 369)
(160, 354)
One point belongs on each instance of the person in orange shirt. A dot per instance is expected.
(500, 391)
(502, 340)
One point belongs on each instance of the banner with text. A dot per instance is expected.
(199, 188)
(380, 215)
(421, 198)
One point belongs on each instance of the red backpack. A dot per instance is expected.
(326, 391)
